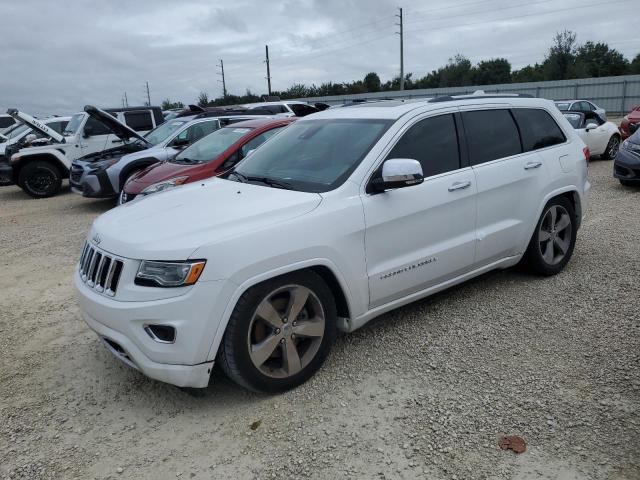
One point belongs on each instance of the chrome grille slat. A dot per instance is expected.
(99, 271)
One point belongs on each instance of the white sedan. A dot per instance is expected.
(601, 137)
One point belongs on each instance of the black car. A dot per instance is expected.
(626, 166)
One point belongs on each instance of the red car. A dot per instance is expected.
(630, 122)
(210, 156)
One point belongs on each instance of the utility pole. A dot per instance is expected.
(126, 101)
(148, 95)
(224, 85)
(401, 49)
(266, 49)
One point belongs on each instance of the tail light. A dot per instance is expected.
(587, 154)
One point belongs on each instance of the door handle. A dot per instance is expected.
(116, 141)
(532, 165)
(459, 186)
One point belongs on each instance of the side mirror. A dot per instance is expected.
(87, 131)
(180, 142)
(398, 173)
(591, 126)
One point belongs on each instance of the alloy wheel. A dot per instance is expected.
(554, 235)
(41, 182)
(286, 331)
(614, 145)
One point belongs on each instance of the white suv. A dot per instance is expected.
(342, 216)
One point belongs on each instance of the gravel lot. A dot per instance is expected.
(423, 392)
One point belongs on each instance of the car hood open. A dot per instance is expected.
(36, 124)
(171, 225)
(121, 130)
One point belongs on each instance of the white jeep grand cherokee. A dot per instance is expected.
(344, 215)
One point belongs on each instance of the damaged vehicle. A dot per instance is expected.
(103, 174)
(39, 170)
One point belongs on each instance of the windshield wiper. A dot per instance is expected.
(271, 182)
(185, 160)
(241, 178)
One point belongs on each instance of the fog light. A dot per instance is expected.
(161, 333)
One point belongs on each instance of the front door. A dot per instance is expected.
(422, 235)
(93, 137)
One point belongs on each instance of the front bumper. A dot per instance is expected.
(626, 166)
(89, 182)
(6, 174)
(120, 325)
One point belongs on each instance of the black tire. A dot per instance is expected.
(612, 148)
(233, 355)
(40, 179)
(534, 258)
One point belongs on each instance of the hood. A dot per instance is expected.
(172, 225)
(119, 151)
(121, 130)
(161, 172)
(36, 125)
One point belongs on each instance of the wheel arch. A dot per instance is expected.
(324, 268)
(137, 164)
(572, 194)
(50, 157)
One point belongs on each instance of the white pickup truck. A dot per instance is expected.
(39, 170)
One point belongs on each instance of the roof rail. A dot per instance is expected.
(450, 98)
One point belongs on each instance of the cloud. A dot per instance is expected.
(55, 57)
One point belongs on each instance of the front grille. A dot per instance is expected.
(99, 270)
(76, 173)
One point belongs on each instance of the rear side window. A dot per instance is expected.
(301, 110)
(491, 134)
(139, 121)
(433, 142)
(537, 128)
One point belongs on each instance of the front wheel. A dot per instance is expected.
(612, 148)
(279, 333)
(554, 238)
(40, 179)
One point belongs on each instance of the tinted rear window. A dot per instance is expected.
(537, 128)
(491, 134)
(139, 121)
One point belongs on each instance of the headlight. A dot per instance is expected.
(169, 274)
(164, 185)
(633, 147)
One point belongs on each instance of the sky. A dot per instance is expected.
(56, 57)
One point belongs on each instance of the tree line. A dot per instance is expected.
(565, 59)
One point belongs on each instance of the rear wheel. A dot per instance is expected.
(279, 333)
(554, 238)
(40, 179)
(612, 148)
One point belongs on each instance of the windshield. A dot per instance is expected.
(563, 105)
(209, 147)
(575, 119)
(74, 124)
(18, 130)
(313, 155)
(164, 131)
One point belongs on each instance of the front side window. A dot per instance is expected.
(211, 146)
(195, 132)
(96, 127)
(314, 155)
(491, 134)
(537, 128)
(433, 142)
(139, 121)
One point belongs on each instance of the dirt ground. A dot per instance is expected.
(423, 392)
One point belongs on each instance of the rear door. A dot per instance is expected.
(512, 173)
(422, 235)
